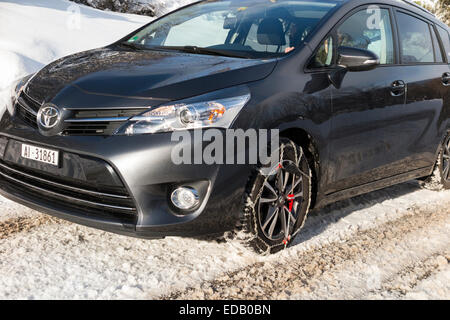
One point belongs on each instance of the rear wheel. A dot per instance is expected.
(277, 204)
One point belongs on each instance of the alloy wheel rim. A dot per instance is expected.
(280, 203)
(446, 160)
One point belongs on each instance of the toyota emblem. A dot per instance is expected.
(48, 116)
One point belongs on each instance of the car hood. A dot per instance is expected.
(141, 74)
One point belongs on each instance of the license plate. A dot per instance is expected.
(40, 154)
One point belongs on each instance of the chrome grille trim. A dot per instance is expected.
(81, 120)
(27, 108)
(98, 122)
(32, 99)
(108, 108)
(26, 114)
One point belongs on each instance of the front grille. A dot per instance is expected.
(98, 121)
(91, 128)
(81, 122)
(80, 114)
(32, 103)
(89, 200)
(26, 115)
(26, 109)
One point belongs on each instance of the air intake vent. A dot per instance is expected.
(70, 195)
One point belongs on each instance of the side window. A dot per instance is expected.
(324, 56)
(445, 38)
(437, 47)
(416, 44)
(369, 29)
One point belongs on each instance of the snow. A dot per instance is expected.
(436, 287)
(11, 210)
(48, 258)
(34, 33)
(165, 6)
(144, 7)
(61, 260)
(381, 271)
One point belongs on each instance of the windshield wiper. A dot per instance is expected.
(200, 50)
(133, 45)
(188, 49)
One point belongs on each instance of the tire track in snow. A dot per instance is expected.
(67, 261)
(337, 270)
(431, 287)
(407, 280)
(15, 225)
(11, 210)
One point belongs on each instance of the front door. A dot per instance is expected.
(367, 142)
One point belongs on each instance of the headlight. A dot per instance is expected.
(181, 116)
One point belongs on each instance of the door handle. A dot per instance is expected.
(398, 88)
(446, 79)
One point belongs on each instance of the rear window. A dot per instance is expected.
(445, 38)
(416, 44)
(437, 47)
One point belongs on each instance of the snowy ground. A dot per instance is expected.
(389, 244)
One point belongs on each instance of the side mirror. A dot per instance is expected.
(354, 59)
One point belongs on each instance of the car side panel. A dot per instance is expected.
(367, 129)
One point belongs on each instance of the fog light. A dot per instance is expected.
(185, 198)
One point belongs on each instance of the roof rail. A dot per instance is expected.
(418, 6)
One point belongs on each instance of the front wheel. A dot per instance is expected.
(277, 204)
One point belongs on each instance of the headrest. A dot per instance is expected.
(271, 32)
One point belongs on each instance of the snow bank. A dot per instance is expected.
(36, 32)
(144, 7)
(165, 6)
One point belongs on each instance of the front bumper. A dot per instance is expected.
(137, 167)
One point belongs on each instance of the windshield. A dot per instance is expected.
(242, 28)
